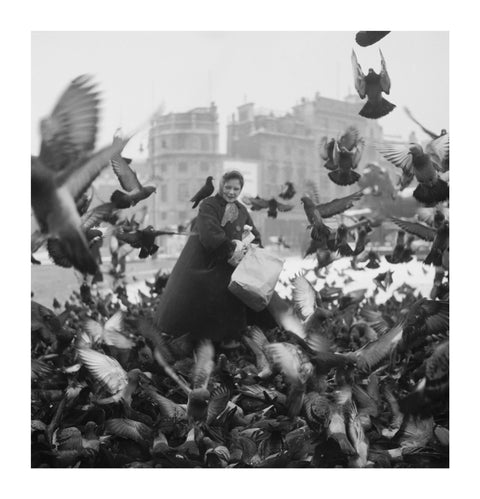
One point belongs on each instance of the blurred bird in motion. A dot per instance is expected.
(66, 167)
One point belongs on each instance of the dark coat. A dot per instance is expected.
(196, 299)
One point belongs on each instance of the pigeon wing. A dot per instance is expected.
(70, 131)
(134, 239)
(129, 429)
(285, 360)
(105, 369)
(398, 155)
(97, 215)
(284, 207)
(218, 402)
(384, 78)
(439, 148)
(420, 230)
(204, 364)
(350, 138)
(57, 253)
(126, 176)
(370, 355)
(79, 177)
(258, 203)
(338, 205)
(303, 296)
(358, 76)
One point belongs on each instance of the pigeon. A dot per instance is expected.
(367, 38)
(110, 333)
(439, 238)
(340, 244)
(66, 167)
(206, 190)
(320, 231)
(414, 162)
(361, 241)
(288, 191)
(371, 86)
(398, 251)
(144, 239)
(433, 387)
(326, 153)
(107, 371)
(384, 280)
(89, 221)
(128, 180)
(344, 157)
(258, 203)
(433, 135)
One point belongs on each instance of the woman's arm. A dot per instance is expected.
(211, 233)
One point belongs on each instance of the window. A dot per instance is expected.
(182, 192)
(163, 193)
(164, 215)
(182, 167)
(182, 216)
(164, 144)
(301, 152)
(204, 167)
(288, 149)
(163, 167)
(273, 150)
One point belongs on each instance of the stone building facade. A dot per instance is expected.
(183, 152)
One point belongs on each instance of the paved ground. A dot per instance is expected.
(49, 281)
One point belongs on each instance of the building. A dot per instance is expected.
(286, 146)
(182, 152)
(329, 118)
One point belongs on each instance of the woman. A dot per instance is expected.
(196, 299)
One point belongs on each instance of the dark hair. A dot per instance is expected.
(231, 175)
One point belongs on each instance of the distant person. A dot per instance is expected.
(196, 299)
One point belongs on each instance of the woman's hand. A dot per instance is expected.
(238, 253)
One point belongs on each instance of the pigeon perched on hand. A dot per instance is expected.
(371, 86)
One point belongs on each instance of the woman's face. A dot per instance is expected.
(231, 190)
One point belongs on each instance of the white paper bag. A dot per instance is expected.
(255, 277)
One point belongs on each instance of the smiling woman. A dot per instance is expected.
(196, 299)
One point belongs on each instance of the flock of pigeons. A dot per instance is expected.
(341, 382)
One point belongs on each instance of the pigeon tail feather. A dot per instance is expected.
(377, 110)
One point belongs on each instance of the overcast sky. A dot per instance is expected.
(137, 71)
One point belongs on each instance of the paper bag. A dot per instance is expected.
(254, 279)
